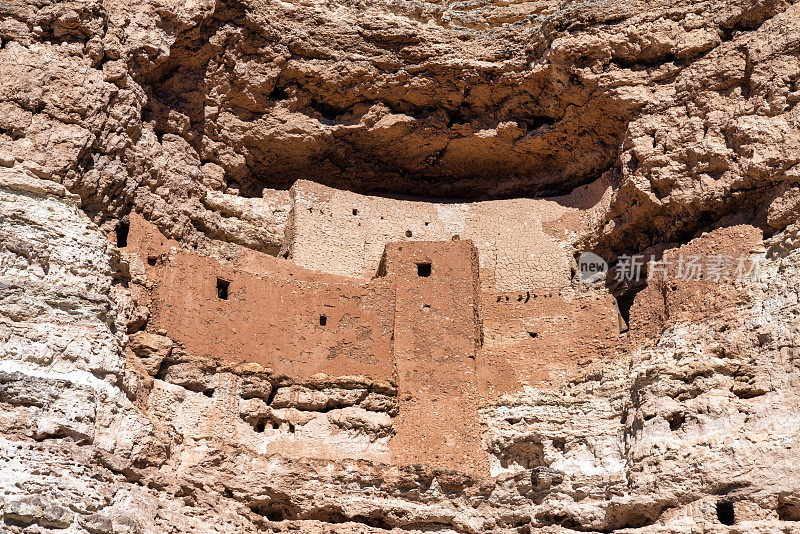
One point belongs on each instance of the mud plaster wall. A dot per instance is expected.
(532, 337)
(296, 327)
(345, 233)
(682, 299)
(449, 343)
(437, 339)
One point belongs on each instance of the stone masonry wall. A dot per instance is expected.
(445, 342)
(345, 233)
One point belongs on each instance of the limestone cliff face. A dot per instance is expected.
(664, 126)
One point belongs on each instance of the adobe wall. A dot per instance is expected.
(437, 339)
(345, 233)
(271, 318)
(682, 298)
(447, 341)
(533, 337)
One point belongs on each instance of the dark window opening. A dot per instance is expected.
(276, 426)
(209, 393)
(675, 421)
(291, 428)
(533, 334)
(222, 288)
(151, 261)
(355, 211)
(725, 513)
(424, 269)
(624, 304)
(323, 320)
(260, 426)
(122, 229)
(408, 233)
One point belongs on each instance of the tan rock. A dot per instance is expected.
(152, 349)
(537, 130)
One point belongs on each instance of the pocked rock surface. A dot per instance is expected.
(274, 266)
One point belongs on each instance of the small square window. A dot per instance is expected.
(355, 211)
(424, 269)
(222, 288)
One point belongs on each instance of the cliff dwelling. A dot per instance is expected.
(442, 304)
(399, 267)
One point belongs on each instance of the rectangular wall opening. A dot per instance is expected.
(122, 229)
(424, 269)
(223, 287)
(323, 320)
(725, 513)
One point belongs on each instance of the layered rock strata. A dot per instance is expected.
(537, 130)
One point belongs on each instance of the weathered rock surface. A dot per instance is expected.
(177, 110)
(200, 115)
